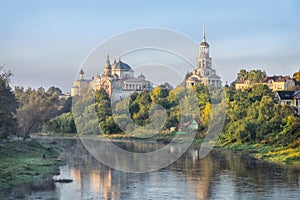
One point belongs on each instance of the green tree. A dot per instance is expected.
(54, 89)
(242, 74)
(254, 117)
(159, 92)
(104, 113)
(8, 105)
(102, 104)
(255, 76)
(63, 123)
(36, 108)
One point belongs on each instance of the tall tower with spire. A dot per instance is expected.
(107, 68)
(204, 73)
(204, 59)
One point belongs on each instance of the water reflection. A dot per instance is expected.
(217, 176)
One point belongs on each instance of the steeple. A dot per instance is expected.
(204, 33)
(204, 43)
(81, 74)
(107, 60)
(107, 68)
(204, 60)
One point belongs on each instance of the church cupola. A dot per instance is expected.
(107, 68)
(81, 74)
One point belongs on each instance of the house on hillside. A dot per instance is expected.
(194, 124)
(275, 83)
(289, 98)
(279, 83)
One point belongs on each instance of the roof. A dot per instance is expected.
(83, 80)
(197, 120)
(242, 81)
(133, 80)
(191, 78)
(122, 66)
(297, 94)
(276, 78)
(214, 76)
(287, 95)
(141, 76)
(268, 79)
(204, 44)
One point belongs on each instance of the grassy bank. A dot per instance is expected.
(286, 155)
(26, 166)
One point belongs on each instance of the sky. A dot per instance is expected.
(45, 42)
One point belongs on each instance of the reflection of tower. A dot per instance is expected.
(77, 176)
(94, 181)
(205, 179)
(106, 185)
(200, 170)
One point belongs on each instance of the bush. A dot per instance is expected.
(64, 123)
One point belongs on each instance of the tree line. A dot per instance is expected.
(252, 114)
(25, 111)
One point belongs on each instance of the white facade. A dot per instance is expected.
(118, 81)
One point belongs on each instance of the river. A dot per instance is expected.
(220, 175)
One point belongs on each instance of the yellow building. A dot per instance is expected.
(279, 83)
(242, 84)
(275, 83)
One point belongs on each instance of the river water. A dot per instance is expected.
(220, 175)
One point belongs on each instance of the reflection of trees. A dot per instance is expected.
(246, 173)
(138, 147)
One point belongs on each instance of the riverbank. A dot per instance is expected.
(283, 155)
(26, 166)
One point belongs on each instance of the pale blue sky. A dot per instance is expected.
(45, 42)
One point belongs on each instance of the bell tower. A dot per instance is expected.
(204, 61)
(107, 68)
